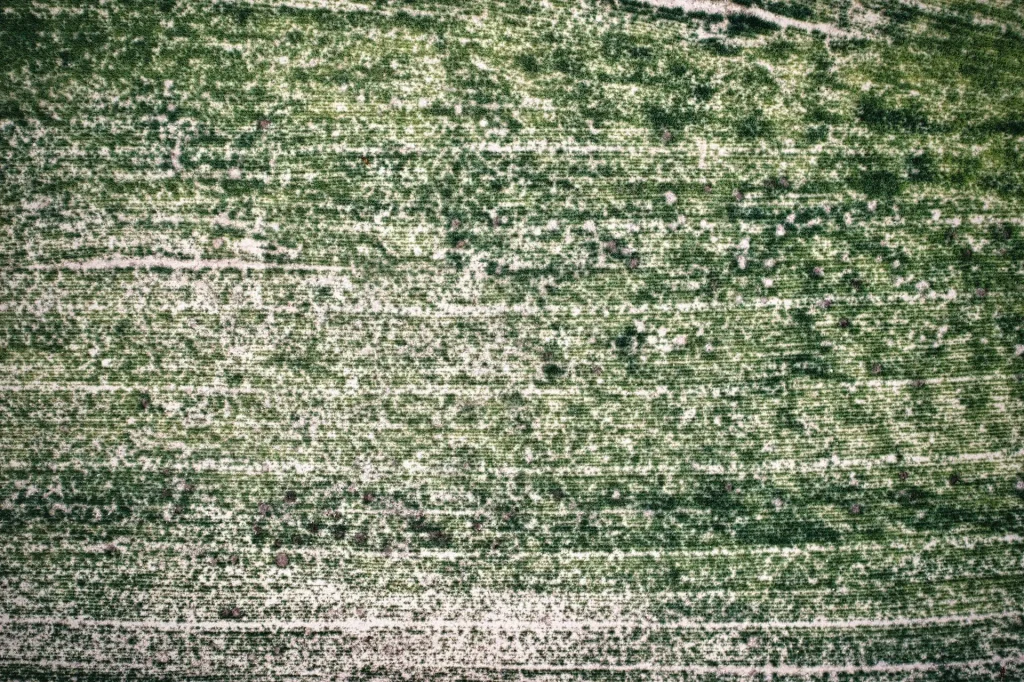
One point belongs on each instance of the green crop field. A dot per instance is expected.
(547, 340)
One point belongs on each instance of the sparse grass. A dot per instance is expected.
(567, 313)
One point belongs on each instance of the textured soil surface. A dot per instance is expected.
(512, 340)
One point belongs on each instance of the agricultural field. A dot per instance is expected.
(549, 340)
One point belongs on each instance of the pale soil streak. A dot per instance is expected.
(502, 623)
(767, 670)
(528, 391)
(732, 670)
(459, 310)
(284, 466)
(454, 310)
(729, 8)
(951, 542)
(894, 548)
(181, 264)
